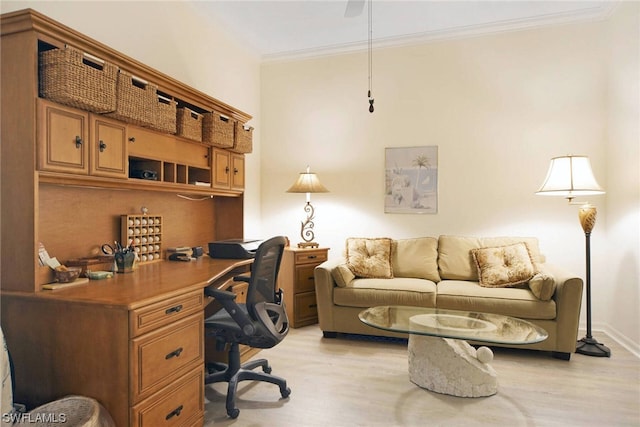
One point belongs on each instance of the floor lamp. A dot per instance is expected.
(308, 183)
(570, 177)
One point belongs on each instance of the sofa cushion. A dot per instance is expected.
(415, 258)
(342, 275)
(369, 257)
(516, 302)
(396, 291)
(543, 285)
(455, 261)
(503, 266)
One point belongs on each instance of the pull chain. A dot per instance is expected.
(370, 47)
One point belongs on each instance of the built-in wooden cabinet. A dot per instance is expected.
(296, 279)
(228, 169)
(76, 142)
(136, 341)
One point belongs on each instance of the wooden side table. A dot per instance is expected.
(298, 284)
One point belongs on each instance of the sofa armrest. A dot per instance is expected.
(324, 293)
(568, 298)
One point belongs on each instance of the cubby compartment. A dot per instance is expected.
(143, 233)
(140, 168)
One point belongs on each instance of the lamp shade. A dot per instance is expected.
(569, 177)
(307, 182)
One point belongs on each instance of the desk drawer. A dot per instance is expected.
(306, 309)
(153, 316)
(160, 357)
(305, 281)
(311, 256)
(180, 404)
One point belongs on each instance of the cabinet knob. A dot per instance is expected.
(78, 142)
(235, 171)
(132, 139)
(103, 146)
(226, 169)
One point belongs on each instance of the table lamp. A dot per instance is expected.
(307, 182)
(571, 177)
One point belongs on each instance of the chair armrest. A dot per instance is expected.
(242, 278)
(219, 294)
(227, 300)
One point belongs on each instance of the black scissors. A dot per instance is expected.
(107, 249)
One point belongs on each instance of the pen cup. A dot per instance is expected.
(124, 261)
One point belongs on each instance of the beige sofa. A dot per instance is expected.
(446, 272)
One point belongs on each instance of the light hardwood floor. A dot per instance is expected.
(356, 382)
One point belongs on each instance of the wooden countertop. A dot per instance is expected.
(149, 283)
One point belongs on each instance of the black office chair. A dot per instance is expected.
(262, 323)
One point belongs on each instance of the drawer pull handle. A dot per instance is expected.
(310, 278)
(313, 305)
(175, 413)
(175, 309)
(78, 142)
(175, 353)
(312, 257)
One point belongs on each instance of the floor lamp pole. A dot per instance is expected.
(588, 345)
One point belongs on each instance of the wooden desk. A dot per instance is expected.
(134, 342)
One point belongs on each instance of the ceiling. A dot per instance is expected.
(289, 28)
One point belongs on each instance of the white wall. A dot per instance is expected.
(620, 268)
(172, 38)
(498, 107)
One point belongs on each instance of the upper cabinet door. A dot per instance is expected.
(63, 135)
(108, 148)
(237, 180)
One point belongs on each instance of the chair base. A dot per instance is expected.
(234, 372)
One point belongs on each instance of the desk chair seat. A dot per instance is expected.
(261, 323)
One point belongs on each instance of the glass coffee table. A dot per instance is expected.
(440, 359)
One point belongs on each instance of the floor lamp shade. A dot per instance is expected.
(570, 177)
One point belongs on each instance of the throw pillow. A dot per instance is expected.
(542, 285)
(503, 266)
(369, 257)
(416, 257)
(342, 275)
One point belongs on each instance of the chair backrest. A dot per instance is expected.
(264, 301)
(264, 274)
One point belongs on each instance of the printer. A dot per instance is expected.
(234, 248)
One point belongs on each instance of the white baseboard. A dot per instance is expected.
(614, 334)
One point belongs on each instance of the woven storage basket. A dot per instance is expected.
(244, 139)
(189, 124)
(70, 77)
(136, 101)
(165, 118)
(218, 130)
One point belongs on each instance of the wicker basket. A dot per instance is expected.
(189, 124)
(218, 130)
(136, 101)
(244, 138)
(71, 77)
(165, 118)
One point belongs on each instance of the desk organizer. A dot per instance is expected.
(144, 234)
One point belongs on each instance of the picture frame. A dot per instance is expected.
(411, 180)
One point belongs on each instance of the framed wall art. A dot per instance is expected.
(411, 180)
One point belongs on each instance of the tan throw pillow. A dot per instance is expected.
(369, 257)
(503, 266)
(415, 258)
(342, 275)
(543, 285)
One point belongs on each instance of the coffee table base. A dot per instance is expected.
(451, 366)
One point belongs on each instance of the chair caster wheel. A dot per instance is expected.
(286, 393)
(233, 413)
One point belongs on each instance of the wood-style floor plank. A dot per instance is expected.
(356, 382)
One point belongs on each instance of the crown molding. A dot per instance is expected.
(592, 14)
